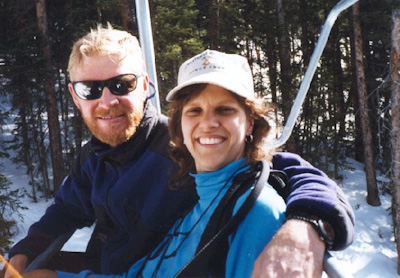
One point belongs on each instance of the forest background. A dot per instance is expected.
(347, 113)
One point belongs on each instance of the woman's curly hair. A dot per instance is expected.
(255, 151)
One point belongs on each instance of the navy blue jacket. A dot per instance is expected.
(125, 189)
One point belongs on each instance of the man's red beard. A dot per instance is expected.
(115, 137)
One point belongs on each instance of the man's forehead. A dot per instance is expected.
(98, 67)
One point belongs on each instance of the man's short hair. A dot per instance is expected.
(107, 41)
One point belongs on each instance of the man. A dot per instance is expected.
(120, 178)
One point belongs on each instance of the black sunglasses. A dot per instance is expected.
(119, 85)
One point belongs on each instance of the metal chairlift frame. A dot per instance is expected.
(330, 264)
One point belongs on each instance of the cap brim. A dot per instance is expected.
(215, 78)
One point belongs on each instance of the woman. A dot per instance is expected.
(217, 129)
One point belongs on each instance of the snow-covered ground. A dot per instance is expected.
(372, 255)
(373, 252)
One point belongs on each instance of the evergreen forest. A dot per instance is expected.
(347, 112)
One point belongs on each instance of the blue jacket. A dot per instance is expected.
(126, 190)
(178, 248)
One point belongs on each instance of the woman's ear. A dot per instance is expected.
(249, 130)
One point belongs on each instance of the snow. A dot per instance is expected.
(372, 255)
(373, 252)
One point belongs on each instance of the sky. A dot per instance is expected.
(372, 254)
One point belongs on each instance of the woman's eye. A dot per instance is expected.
(226, 110)
(193, 111)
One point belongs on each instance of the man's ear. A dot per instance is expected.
(146, 83)
(74, 96)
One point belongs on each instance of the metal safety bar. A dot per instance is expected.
(305, 84)
(331, 265)
(42, 260)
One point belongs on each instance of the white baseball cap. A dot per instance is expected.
(229, 71)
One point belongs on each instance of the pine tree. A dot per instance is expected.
(176, 39)
(10, 206)
(372, 187)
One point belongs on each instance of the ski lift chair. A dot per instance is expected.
(331, 266)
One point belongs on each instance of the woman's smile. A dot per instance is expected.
(210, 140)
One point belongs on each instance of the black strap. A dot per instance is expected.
(210, 257)
(279, 180)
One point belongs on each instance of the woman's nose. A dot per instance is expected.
(209, 120)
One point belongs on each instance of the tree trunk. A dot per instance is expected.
(372, 188)
(125, 14)
(358, 147)
(339, 100)
(272, 75)
(307, 43)
(285, 76)
(214, 25)
(51, 103)
(41, 151)
(395, 75)
(27, 150)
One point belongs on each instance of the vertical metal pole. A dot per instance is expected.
(146, 41)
